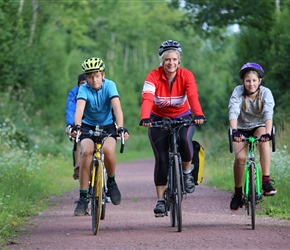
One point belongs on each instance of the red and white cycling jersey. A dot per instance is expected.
(158, 98)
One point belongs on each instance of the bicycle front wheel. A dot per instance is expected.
(177, 193)
(253, 194)
(96, 197)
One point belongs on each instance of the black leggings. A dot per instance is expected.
(159, 140)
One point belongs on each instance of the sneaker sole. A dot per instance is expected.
(81, 214)
(189, 192)
(269, 194)
(115, 203)
(159, 215)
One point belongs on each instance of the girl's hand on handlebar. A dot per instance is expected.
(265, 137)
(237, 136)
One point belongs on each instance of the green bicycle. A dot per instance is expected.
(252, 187)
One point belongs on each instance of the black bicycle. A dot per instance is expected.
(175, 184)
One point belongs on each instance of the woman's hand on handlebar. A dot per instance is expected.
(147, 122)
(199, 119)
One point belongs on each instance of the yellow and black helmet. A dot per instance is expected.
(93, 64)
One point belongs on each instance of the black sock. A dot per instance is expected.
(83, 194)
(111, 180)
(238, 191)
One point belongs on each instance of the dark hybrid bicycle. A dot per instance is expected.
(252, 179)
(175, 184)
(97, 188)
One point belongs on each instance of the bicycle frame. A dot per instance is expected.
(251, 163)
(173, 151)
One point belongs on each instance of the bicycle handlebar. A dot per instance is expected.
(168, 122)
(100, 133)
(251, 139)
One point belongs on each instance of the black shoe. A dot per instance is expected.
(81, 208)
(114, 193)
(189, 183)
(268, 188)
(76, 173)
(237, 202)
(159, 210)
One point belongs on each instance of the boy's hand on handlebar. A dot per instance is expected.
(123, 130)
(199, 119)
(265, 137)
(75, 130)
(147, 122)
(237, 136)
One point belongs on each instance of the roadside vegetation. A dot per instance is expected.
(30, 176)
(43, 44)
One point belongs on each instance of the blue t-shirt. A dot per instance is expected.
(98, 109)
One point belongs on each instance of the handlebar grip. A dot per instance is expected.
(122, 143)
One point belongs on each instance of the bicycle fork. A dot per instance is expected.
(257, 181)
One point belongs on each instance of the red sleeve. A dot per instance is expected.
(148, 93)
(192, 94)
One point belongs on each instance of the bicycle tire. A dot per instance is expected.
(104, 199)
(97, 196)
(170, 197)
(103, 214)
(177, 193)
(253, 194)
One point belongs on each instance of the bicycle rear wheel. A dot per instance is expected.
(96, 197)
(252, 194)
(177, 193)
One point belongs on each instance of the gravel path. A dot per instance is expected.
(208, 222)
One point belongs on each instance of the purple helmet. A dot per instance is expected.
(169, 45)
(251, 66)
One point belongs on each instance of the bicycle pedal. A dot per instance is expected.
(108, 200)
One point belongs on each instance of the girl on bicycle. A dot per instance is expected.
(251, 109)
(170, 91)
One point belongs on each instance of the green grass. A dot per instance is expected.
(31, 174)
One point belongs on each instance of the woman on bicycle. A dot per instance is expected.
(98, 103)
(170, 91)
(251, 109)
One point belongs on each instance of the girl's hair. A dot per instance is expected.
(163, 56)
(258, 94)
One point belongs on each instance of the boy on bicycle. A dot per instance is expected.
(251, 109)
(98, 103)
